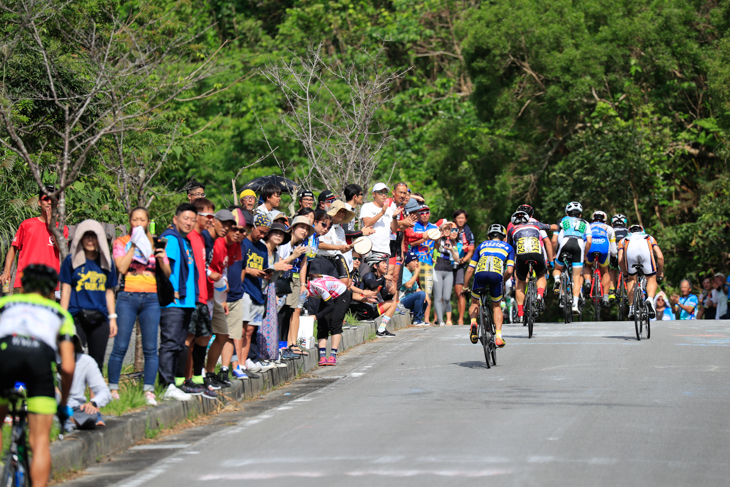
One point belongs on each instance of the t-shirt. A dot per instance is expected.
(665, 315)
(198, 243)
(286, 250)
(173, 253)
(381, 237)
(326, 287)
(407, 275)
(224, 255)
(235, 269)
(464, 241)
(35, 246)
(690, 300)
(424, 250)
(335, 236)
(140, 277)
(89, 283)
(255, 256)
(721, 303)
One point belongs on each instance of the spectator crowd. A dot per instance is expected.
(231, 285)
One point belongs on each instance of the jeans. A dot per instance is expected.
(131, 306)
(415, 302)
(443, 283)
(174, 324)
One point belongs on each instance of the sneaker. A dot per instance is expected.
(499, 341)
(266, 365)
(473, 333)
(322, 361)
(211, 381)
(189, 387)
(252, 366)
(650, 309)
(239, 374)
(115, 394)
(605, 302)
(332, 360)
(540, 303)
(385, 334)
(631, 313)
(420, 323)
(287, 354)
(150, 398)
(173, 392)
(612, 295)
(253, 375)
(280, 364)
(224, 379)
(575, 309)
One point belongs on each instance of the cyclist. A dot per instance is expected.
(574, 237)
(491, 264)
(640, 248)
(603, 242)
(619, 223)
(544, 238)
(33, 328)
(525, 238)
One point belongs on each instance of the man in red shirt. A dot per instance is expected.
(33, 242)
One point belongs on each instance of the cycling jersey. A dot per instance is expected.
(527, 241)
(493, 256)
(603, 242)
(639, 249)
(574, 227)
(34, 316)
(620, 233)
(326, 287)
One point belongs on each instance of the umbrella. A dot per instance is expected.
(286, 185)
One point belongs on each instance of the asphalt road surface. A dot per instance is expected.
(579, 404)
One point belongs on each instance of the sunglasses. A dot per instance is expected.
(424, 212)
(209, 216)
(357, 259)
(383, 192)
(45, 198)
(238, 230)
(454, 230)
(326, 227)
(197, 195)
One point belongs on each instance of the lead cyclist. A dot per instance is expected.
(33, 328)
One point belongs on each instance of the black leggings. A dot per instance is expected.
(330, 321)
(96, 337)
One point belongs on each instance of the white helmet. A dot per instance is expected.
(496, 229)
(599, 216)
(573, 206)
(520, 218)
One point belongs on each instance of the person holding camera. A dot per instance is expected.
(447, 260)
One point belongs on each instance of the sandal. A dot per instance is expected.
(296, 349)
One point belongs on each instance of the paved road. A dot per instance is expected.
(578, 404)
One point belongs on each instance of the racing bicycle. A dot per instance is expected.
(641, 311)
(566, 288)
(486, 326)
(17, 464)
(530, 308)
(622, 297)
(596, 288)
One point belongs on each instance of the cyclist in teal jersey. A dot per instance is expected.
(575, 238)
(33, 328)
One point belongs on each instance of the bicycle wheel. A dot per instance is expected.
(597, 295)
(483, 335)
(530, 310)
(566, 298)
(620, 301)
(492, 344)
(637, 311)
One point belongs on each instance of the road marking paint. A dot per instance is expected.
(161, 446)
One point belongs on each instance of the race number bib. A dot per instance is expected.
(528, 245)
(577, 225)
(489, 263)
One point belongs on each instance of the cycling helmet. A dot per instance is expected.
(619, 220)
(599, 216)
(573, 209)
(527, 209)
(636, 228)
(520, 218)
(39, 278)
(496, 229)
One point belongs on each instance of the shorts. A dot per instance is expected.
(366, 311)
(200, 322)
(459, 275)
(639, 252)
(234, 319)
(492, 280)
(219, 321)
(521, 266)
(330, 266)
(298, 296)
(27, 360)
(253, 314)
(425, 278)
(574, 247)
(601, 247)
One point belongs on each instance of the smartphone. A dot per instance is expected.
(160, 243)
(269, 270)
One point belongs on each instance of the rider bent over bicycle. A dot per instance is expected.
(639, 248)
(493, 262)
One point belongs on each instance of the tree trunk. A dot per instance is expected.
(138, 353)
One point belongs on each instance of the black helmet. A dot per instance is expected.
(527, 209)
(599, 216)
(39, 278)
(496, 229)
(619, 220)
(520, 218)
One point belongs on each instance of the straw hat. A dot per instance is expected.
(340, 205)
(301, 219)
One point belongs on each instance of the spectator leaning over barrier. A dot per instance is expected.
(271, 194)
(247, 200)
(297, 248)
(306, 199)
(325, 200)
(200, 328)
(86, 374)
(33, 242)
(381, 282)
(465, 246)
(175, 318)
(195, 190)
(333, 245)
(88, 278)
(686, 304)
(708, 307)
(334, 301)
(136, 300)
(412, 298)
(721, 295)
(663, 310)
(256, 265)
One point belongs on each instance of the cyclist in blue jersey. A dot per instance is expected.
(604, 242)
(33, 329)
(491, 265)
(620, 225)
(575, 238)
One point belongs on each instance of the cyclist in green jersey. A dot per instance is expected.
(33, 328)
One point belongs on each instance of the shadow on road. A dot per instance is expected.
(632, 338)
(472, 364)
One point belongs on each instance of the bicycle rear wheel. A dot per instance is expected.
(492, 344)
(638, 309)
(483, 334)
(622, 309)
(597, 295)
(530, 310)
(566, 298)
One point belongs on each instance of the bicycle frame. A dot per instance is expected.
(487, 328)
(17, 468)
(596, 293)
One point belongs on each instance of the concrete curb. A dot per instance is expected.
(81, 449)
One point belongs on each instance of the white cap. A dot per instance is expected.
(380, 187)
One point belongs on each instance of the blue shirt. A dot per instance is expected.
(235, 285)
(425, 249)
(493, 256)
(173, 254)
(89, 283)
(690, 300)
(407, 275)
(255, 256)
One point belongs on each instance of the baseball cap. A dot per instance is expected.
(305, 193)
(224, 216)
(49, 188)
(246, 192)
(326, 195)
(412, 206)
(380, 187)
